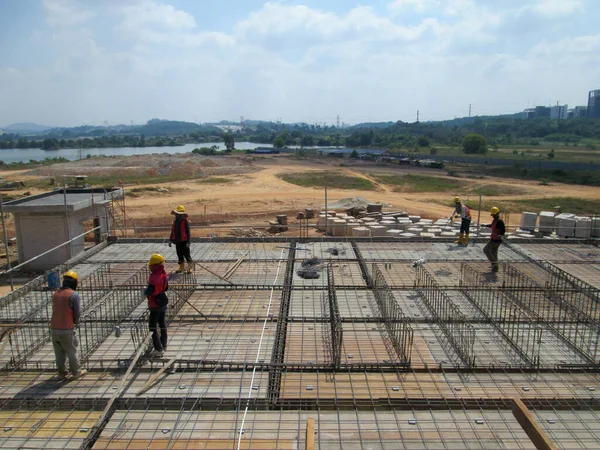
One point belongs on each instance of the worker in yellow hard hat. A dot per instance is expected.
(158, 284)
(66, 312)
(464, 212)
(181, 237)
(498, 231)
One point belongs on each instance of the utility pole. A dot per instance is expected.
(469, 110)
(418, 116)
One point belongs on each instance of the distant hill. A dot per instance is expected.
(26, 127)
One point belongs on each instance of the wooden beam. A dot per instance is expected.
(310, 434)
(215, 274)
(230, 271)
(154, 378)
(530, 426)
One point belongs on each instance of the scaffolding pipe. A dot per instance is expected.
(12, 287)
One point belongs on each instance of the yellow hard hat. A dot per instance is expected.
(456, 199)
(180, 209)
(494, 211)
(156, 259)
(71, 274)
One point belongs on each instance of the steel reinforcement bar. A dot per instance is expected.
(555, 308)
(396, 323)
(505, 315)
(452, 322)
(335, 321)
(278, 353)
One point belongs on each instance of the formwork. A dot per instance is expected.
(387, 344)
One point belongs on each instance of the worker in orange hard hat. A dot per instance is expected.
(66, 312)
(180, 236)
(461, 210)
(498, 230)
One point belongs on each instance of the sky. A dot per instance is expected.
(74, 62)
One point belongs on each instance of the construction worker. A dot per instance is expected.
(180, 236)
(498, 230)
(66, 311)
(157, 303)
(464, 213)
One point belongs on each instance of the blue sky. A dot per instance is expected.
(69, 62)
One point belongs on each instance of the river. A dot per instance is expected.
(72, 154)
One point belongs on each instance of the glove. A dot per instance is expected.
(170, 244)
(187, 245)
(457, 216)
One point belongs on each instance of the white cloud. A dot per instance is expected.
(557, 8)
(419, 6)
(66, 13)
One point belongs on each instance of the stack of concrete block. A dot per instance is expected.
(583, 227)
(565, 225)
(404, 223)
(448, 234)
(377, 230)
(414, 219)
(546, 222)
(337, 227)
(361, 232)
(435, 231)
(393, 233)
(528, 221)
(595, 227)
(389, 224)
(426, 222)
(415, 231)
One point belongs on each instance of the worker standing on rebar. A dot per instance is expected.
(66, 312)
(158, 284)
(498, 230)
(181, 237)
(462, 211)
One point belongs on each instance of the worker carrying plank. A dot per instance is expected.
(498, 230)
(181, 237)
(464, 212)
(66, 312)
(158, 284)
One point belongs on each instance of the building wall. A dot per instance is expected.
(593, 110)
(559, 112)
(37, 233)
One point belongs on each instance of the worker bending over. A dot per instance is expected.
(157, 304)
(498, 230)
(181, 237)
(66, 311)
(464, 213)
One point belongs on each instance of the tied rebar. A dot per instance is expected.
(459, 333)
(396, 323)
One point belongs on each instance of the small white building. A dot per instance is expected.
(47, 220)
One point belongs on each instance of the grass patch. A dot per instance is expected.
(333, 180)
(214, 180)
(568, 205)
(419, 183)
(496, 190)
(587, 178)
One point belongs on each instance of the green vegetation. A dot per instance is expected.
(495, 190)
(590, 178)
(212, 150)
(333, 180)
(20, 165)
(568, 204)
(229, 142)
(474, 144)
(419, 183)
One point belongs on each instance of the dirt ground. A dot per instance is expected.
(255, 190)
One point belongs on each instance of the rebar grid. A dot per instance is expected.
(396, 323)
(337, 333)
(505, 315)
(453, 323)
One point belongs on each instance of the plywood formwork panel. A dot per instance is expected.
(412, 305)
(351, 304)
(231, 251)
(412, 251)
(333, 430)
(345, 274)
(570, 429)
(238, 303)
(247, 273)
(362, 343)
(139, 251)
(561, 251)
(325, 251)
(588, 273)
(45, 429)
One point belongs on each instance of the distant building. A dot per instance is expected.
(542, 111)
(529, 113)
(593, 108)
(559, 112)
(578, 112)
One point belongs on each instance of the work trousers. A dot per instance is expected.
(465, 224)
(65, 346)
(158, 327)
(491, 251)
(183, 252)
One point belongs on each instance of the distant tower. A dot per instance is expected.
(469, 110)
(241, 120)
(418, 116)
(106, 123)
(338, 121)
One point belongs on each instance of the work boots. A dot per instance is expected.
(190, 267)
(181, 268)
(466, 240)
(460, 239)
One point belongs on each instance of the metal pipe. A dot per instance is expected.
(46, 252)
(12, 287)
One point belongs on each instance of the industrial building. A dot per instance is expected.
(593, 108)
(397, 344)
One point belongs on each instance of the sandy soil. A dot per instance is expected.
(254, 187)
